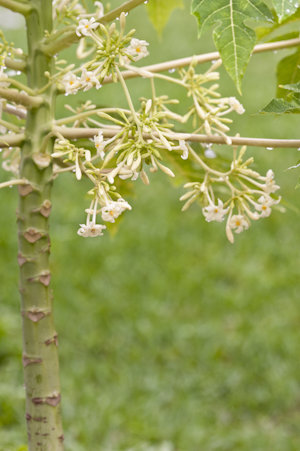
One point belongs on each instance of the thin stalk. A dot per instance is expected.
(125, 8)
(85, 114)
(77, 133)
(127, 95)
(12, 140)
(13, 182)
(11, 109)
(10, 126)
(15, 64)
(204, 58)
(18, 85)
(21, 99)
(16, 6)
(40, 356)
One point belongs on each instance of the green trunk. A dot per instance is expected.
(40, 356)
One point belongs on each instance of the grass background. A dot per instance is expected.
(170, 338)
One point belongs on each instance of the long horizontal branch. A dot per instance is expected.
(204, 58)
(77, 133)
(12, 140)
(21, 99)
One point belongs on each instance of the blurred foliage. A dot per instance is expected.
(170, 338)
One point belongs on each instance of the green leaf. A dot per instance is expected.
(159, 12)
(292, 87)
(285, 9)
(280, 106)
(234, 40)
(298, 183)
(288, 73)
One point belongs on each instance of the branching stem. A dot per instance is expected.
(77, 133)
(204, 58)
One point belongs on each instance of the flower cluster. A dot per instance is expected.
(102, 203)
(209, 109)
(111, 50)
(249, 195)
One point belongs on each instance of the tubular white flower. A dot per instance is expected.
(184, 148)
(236, 105)
(100, 12)
(71, 83)
(85, 26)
(239, 223)
(89, 80)
(138, 49)
(91, 230)
(270, 186)
(99, 144)
(215, 212)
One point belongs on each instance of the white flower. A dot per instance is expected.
(70, 83)
(91, 229)
(239, 223)
(184, 148)
(138, 49)
(100, 12)
(99, 144)
(215, 212)
(270, 186)
(236, 105)
(265, 209)
(3, 75)
(113, 210)
(85, 26)
(89, 80)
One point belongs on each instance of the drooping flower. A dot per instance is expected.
(215, 212)
(89, 80)
(99, 144)
(71, 83)
(91, 229)
(138, 49)
(85, 26)
(100, 12)
(236, 105)
(239, 223)
(184, 148)
(113, 210)
(270, 186)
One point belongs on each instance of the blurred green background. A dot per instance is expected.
(170, 338)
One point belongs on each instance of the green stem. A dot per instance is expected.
(21, 99)
(86, 114)
(125, 89)
(16, 6)
(40, 356)
(125, 8)
(18, 85)
(12, 140)
(13, 182)
(15, 64)
(10, 126)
